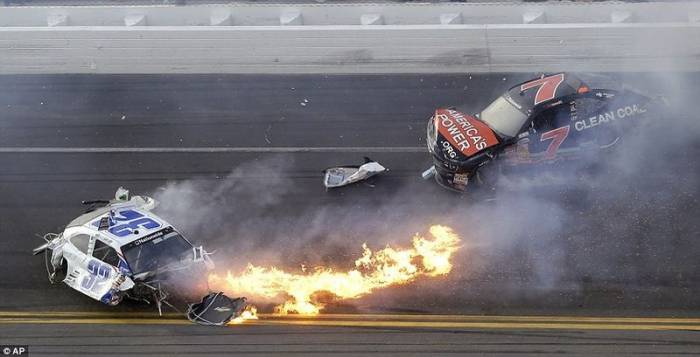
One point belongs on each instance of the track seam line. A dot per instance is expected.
(217, 149)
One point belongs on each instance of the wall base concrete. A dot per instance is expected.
(535, 40)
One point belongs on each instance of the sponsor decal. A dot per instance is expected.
(610, 116)
(148, 238)
(573, 111)
(604, 95)
(461, 179)
(520, 152)
(464, 134)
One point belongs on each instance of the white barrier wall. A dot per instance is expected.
(151, 39)
(316, 14)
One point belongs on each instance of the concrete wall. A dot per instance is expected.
(410, 38)
(351, 14)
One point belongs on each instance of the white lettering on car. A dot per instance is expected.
(469, 129)
(450, 150)
(603, 118)
(463, 134)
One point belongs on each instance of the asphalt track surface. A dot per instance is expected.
(68, 138)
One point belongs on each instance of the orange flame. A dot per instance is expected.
(249, 313)
(374, 270)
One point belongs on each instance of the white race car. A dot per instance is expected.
(119, 248)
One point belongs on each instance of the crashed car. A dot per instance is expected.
(544, 120)
(119, 249)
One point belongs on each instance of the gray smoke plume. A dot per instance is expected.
(616, 226)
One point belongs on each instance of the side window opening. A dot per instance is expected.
(544, 121)
(590, 106)
(552, 118)
(105, 253)
(81, 241)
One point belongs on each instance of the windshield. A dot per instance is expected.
(157, 251)
(503, 117)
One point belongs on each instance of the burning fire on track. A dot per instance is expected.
(305, 293)
(250, 313)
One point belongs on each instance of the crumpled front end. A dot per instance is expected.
(457, 143)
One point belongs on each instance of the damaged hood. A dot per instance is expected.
(456, 136)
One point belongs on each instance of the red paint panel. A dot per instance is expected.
(465, 133)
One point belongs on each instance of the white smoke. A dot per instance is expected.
(546, 235)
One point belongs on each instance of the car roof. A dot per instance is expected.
(526, 99)
(125, 217)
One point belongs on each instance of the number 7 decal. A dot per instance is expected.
(558, 136)
(547, 87)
